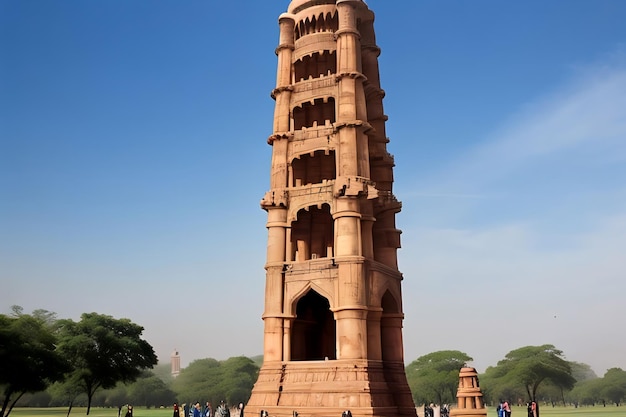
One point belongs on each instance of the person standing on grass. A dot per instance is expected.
(507, 409)
(222, 410)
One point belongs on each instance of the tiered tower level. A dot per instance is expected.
(333, 301)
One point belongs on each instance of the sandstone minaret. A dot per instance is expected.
(333, 301)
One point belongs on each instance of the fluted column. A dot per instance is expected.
(276, 212)
(282, 95)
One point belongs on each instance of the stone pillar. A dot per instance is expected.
(347, 227)
(282, 111)
(273, 317)
(391, 336)
(374, 346)
(282, 93)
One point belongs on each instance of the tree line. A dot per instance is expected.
(530, 373)
(103, 361)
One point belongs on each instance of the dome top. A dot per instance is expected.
(298, 5)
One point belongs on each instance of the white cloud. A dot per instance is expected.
(587, 115)
(519, 241)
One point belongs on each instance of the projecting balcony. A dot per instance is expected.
(313, 43)
(308, 196)
(314, 88)
(310, 139)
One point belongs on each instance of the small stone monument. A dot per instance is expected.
(469, 397)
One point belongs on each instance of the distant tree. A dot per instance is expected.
(66, 392)
(211, 380)
(197, 380)
(435, 377)
(495, 389)
(529, 367)
(238, 375)
(164, 371)
(582, 372)
(150, 391)
(103, 351)
(258, 360)
(614, 386)
(586, 392)
(118, 396)
(29, 359)
(581, 394)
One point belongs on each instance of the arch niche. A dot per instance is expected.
(313, 331)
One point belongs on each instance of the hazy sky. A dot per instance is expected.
(133, 158)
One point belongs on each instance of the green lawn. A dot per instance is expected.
(546, 411)
(94, 412)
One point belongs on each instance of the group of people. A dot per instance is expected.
(207, 411)
(129, 411)
(429, 410)
(504, 409)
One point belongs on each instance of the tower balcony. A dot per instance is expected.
(314, 42)
(309, 195)
(310, 139)
(316, 268)
(308, 90)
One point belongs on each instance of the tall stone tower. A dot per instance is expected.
(175, 363)
(333, 301)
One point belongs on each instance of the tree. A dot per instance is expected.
(67, 391)
(614, 386)
(530, 366)
(103, 351)
(582, 372)
(436, 376)
(211, 380)
(29, 360)
(150, 391)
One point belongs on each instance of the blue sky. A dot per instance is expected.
(133, 157)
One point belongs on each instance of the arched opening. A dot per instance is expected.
(313, 330)
(314, 66)
(388, 330)
(314, 169)
(312, 234)
(321, 23)
(321, 113)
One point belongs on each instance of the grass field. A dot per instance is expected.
(546, 411)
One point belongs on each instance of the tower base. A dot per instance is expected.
(328, 388)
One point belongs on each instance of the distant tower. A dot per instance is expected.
(175, 361)
(333, 302)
